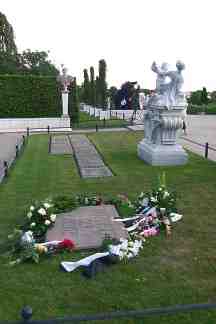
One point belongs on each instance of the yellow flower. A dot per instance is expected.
(40, 248)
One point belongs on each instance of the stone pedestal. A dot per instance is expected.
(65, 104)
(162, 154)
(159, 145)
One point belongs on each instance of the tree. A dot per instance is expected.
(204, 96)
(92, 87)
(213, 96)
(9, 58)
(102, 84)
(37, 62)
(9, 64)
(112, 94)
(86, 87)
(7, 42)
(195, 98)
(135, 99)
(97, 90)
(74, 102)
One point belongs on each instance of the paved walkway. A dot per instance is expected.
(200, 129)
(8, 144)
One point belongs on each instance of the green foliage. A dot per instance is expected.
(9, 63)
(211, 109)
(73, 105)
(204, 96)
(20, 251)
(7, 43)
(13, 243)
(98, 95)
(92, 87)
(112, 94)
(194, 109)
(176, 270)
(195, 98)
(159, 197)
(135, 99)
(102, 86)
(162, 180)
(29, 96)
(64, 203)
(30, 62)
(39, 217)
(213, 96)
(37, 63)
(86, 87)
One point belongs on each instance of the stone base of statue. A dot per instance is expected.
(162, 154)
(161, 127)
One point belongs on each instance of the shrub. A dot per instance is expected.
(29, 96)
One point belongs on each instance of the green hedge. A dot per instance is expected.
(29, 96)
(210, 109)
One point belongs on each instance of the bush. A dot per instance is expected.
(211, 109)
(29, 96)
(193, 110)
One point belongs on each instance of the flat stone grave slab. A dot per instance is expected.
(90, 150)
(79, 139)
(89, 161)
(87, 226)
(60, 145)
(96, 172)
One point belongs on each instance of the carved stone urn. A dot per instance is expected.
(161, 128)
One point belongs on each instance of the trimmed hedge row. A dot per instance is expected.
(29, 96)
(210, 109)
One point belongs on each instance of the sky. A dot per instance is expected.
(128, 34)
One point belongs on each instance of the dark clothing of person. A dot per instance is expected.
(184, 127)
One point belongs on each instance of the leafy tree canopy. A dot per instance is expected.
(37, 62)
(29, 62)
(7, 42)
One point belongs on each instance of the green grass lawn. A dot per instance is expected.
(87, 121)
(178, 270)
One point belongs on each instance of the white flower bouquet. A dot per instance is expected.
(39, 218)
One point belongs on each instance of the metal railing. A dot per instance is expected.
(206, 146)
(26, 314)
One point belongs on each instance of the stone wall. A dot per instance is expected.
(9, 124)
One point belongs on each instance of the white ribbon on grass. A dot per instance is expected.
(70, 266)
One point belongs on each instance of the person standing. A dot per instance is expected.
(184, 127)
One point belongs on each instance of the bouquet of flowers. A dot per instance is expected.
(39, 218)
(160, 198)
(24, 248)
(153, 210)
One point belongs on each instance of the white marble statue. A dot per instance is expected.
(161, 77)
(168, 86)
(64, 79)
(163, 116)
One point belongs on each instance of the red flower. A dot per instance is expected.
(66, 244)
